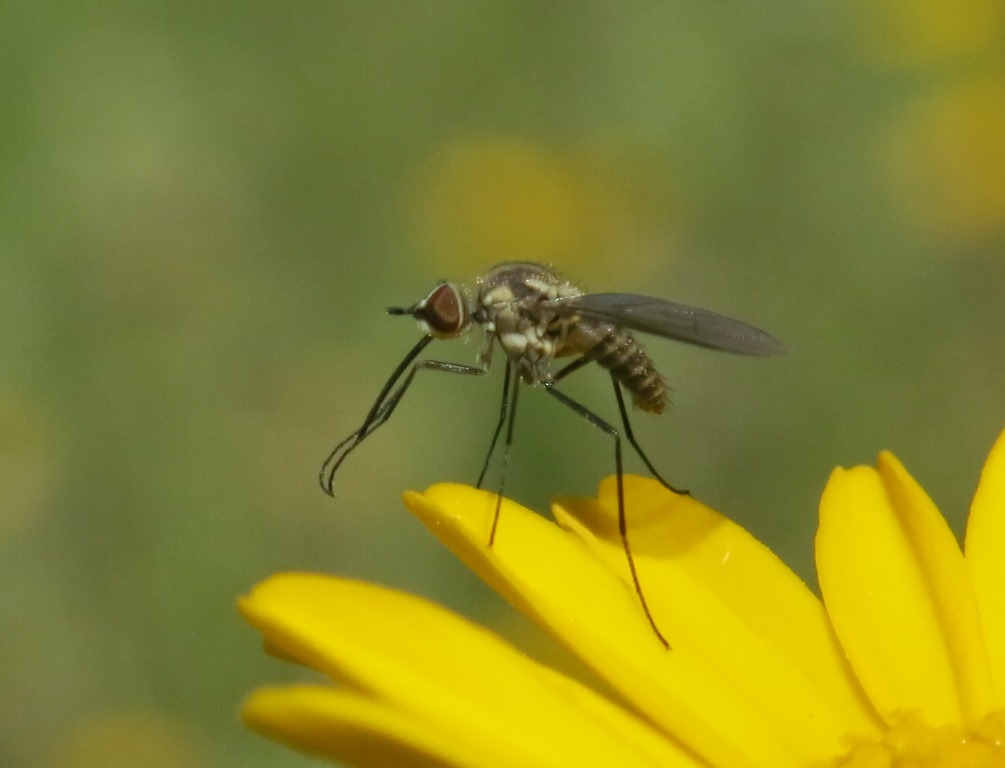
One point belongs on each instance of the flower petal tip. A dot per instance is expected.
(463, 509)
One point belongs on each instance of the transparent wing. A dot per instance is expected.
(672, 321)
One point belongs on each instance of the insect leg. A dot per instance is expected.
(506, 450)
(574, 366)
(504, 405)
(631, 439)
(598, 422)
(384, 406)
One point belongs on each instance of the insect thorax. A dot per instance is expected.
(510, 308)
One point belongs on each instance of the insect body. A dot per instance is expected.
(537, 318)
(533, 314)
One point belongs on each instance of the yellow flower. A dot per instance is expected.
(917, 33)
(901, 664)
(947, 158)
(479, 200)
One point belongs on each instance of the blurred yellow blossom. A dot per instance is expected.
(948, 159)
(479, 201)
(912, 33)
(127, 740)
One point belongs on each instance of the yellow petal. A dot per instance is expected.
(899, 598)
(342, 725)
(631, 728)
(985, 555)
(552, 577)
(469, 689)
(953, 598)
(724, 598)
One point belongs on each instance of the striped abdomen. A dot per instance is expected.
(618, 351)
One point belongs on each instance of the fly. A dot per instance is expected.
(537, 318)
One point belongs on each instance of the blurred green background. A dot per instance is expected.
(205, 208)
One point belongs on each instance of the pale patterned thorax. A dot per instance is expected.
(510, 307)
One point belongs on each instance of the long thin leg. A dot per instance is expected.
(578, 363)
(376, 413)
(572, 367)
(598, 422)
(499, 424)
(384, 406)
(631, 439)
(506, 451)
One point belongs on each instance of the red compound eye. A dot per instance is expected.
(443, 311)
